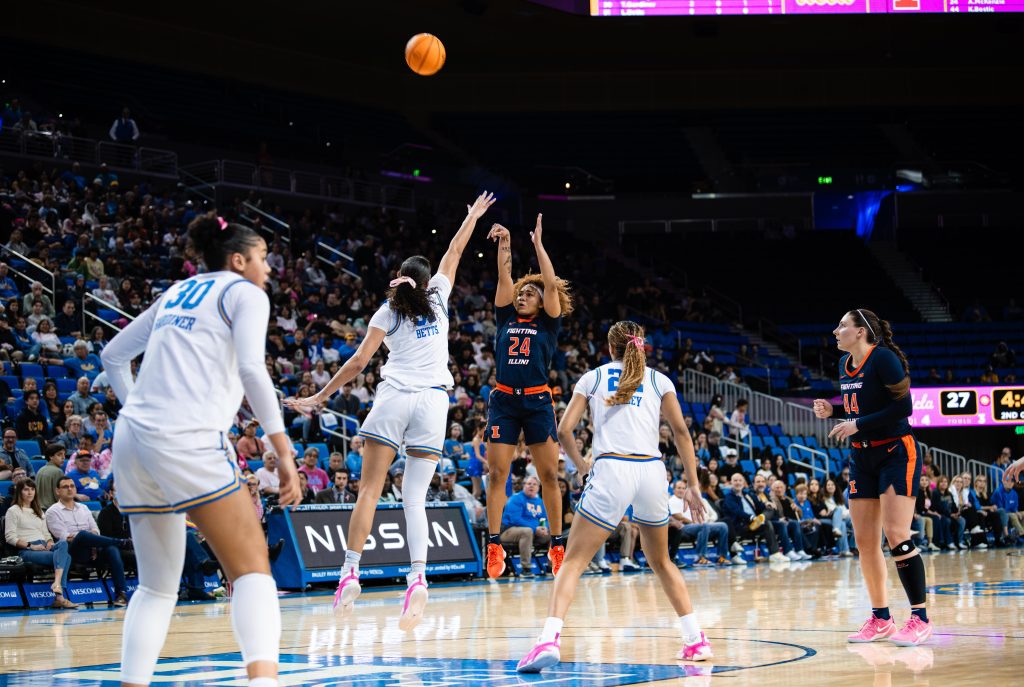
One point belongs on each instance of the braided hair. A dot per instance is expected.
(625, 339)
(879, 331)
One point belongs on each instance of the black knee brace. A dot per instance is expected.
(904, 548)
(911, 572)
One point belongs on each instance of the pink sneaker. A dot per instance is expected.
(542, 655)
(914, 632)
(700, 651)
(415, 602)
(873, 630)
(348, 591)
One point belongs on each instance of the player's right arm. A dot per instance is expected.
(506, 290)
(127, 345)
(349, 371)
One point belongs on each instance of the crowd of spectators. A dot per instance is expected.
(125, 244)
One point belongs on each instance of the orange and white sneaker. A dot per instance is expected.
(495, 560)
(914, 632)
(556, 554)
(874, 629)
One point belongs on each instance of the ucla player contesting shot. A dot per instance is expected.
(410, 408)
(874, 379)
(529, 315)
(204, 341)
(626, 399)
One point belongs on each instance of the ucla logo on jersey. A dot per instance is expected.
(613, 386)
(425, 328)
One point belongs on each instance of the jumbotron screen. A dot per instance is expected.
(654, 8)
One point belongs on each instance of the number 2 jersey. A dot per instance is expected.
(523, 347)
(876, 394)
(204, 343)
(627, 430)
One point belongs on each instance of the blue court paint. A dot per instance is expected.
(334, 671)
(1005, 588)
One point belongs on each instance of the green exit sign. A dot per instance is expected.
(824, 181)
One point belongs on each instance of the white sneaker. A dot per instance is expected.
(932, 547)
(982, 545)
(793, 556)
(739, 560)
(951, 547)
(804, 556)
(976, 529)
(778, 558)
(604, 567)
(736, 547)
(628, 565)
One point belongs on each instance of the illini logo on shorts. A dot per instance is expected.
(906, 5)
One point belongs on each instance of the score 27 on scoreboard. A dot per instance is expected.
(968, 406)
(654, 8)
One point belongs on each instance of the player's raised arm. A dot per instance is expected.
(450, 261)
(349, 371)
(506, 289)
(552, 306)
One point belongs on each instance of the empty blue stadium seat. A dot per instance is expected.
(756, 441)
(749, 467)
(5, 487)
(31, 370)
(255, 465)
(94, 505)
(12, 381)
(30, 447)
(66, 385)
(107, 314)
(56, 371)
(37, 463)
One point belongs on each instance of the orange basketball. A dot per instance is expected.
(424, 54)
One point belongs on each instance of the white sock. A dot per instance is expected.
(689, 628)
(414, 572)
(552, 629)
(351, 562)
(418, 472)
(263, 682)
(256, 618)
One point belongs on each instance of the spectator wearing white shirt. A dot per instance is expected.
(268, 477)
(682, 525)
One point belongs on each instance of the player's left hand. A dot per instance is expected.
(535, 235)
(290, 493)
(480, 205)
(1013, 472)
(692, 498)
(843, 430)
(304, 405)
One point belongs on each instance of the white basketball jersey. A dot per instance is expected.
(189, 380)
(417, 349)
(628, 429)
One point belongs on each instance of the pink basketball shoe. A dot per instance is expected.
(415, 601)
(873, 630)
(914, 632)
(698, 651)
(542, 655)
(348, 591)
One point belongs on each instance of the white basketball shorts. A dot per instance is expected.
(414, 418)
(616, 483)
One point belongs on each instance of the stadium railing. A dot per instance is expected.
(101, 305)
(337, 255)
(45, 144)
(814, 455)
(22, 261)
(342, 427)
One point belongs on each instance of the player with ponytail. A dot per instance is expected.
(626, 400)
(874, 380)
(410, 409)
(529, 314)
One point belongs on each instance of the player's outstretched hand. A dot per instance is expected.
(291, 491)
(538, 230)
(844, 430)
(692, 498)
(480, 205)
(822, 408)
(498, 233)
(1013, 472)
(304, 405)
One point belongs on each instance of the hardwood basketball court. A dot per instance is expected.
(783, 625)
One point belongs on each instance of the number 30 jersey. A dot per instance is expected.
(627, 430)
(204, 342)
(523, 348)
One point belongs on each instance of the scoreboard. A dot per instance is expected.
(654, 8)
(968, 406)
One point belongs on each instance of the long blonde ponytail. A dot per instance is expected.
(626, 340)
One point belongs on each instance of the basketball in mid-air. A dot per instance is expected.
(424, 53)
